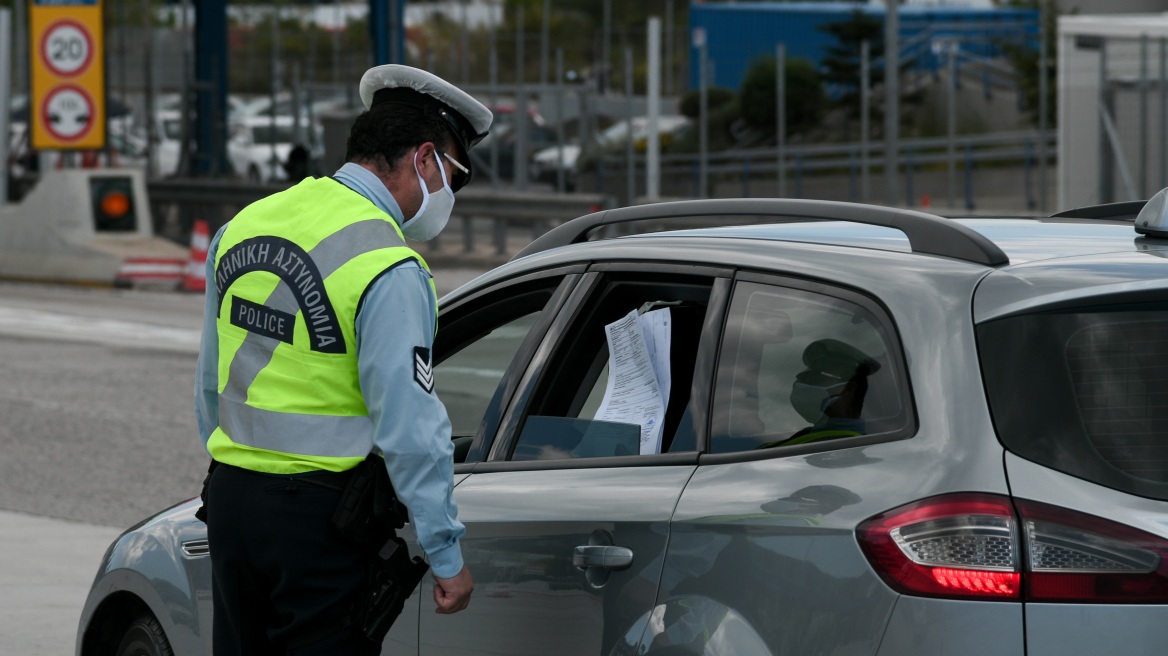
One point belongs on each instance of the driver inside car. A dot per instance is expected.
(830, 392)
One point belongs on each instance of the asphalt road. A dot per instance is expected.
(98, 432)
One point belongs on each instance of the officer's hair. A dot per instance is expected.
(382, 135)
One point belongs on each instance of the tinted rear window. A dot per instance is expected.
(1084, 391)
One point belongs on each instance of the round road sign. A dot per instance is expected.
(67, 48)
(68, 112)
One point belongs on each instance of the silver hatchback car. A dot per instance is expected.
(816, 428)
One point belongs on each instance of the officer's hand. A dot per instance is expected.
(453, 594)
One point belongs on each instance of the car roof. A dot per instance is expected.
(1023, 240)
(1015, 263)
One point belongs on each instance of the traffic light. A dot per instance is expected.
(112, 199)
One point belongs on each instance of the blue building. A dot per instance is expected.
(739, 33)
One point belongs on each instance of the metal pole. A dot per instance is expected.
(653, 110)
(519, 168)
(464, 45)
(605, 42)
(1163, 111)
(1043, 109)
(630, 163)
(148, 82)
(703, 120)
(5, 86)
(561, 183)
(1143, 184)
(865, 129)
(951, 178)
(20, 48)
(781, 117)
(493, 82)
(544, 40)
(1104, 162)
(274, 89)
(667, 74)
(891, 102)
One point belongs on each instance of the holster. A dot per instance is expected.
(393, 578)
(201, 513)
(368, 511)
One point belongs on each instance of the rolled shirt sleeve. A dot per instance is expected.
(395, 326)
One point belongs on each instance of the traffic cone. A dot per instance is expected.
(925, 200)
(195, 277)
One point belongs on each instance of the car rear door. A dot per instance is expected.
(764, 556)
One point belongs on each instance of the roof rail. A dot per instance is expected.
(926, 233)
(1124, 211)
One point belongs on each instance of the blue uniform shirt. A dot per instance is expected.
(410, 425)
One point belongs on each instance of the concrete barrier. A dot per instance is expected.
(89, 227)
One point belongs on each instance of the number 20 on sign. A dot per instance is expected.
(68, 74)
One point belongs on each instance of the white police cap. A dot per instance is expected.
(467, 118)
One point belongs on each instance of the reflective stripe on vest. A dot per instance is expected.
(290, 273)
(298, 433)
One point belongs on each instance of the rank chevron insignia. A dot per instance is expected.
(423, 370)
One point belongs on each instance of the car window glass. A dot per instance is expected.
(565, 418)
(799, 367)
(1079, 390)
(466, 381)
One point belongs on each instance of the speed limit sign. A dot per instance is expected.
(67, 85)
(67, 48)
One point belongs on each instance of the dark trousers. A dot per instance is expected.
(283, 581)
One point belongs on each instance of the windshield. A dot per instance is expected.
(1080, 390)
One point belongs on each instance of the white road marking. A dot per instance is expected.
(38, 324)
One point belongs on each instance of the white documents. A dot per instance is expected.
(638, 374)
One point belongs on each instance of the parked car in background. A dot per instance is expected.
(546, 163)
(829, 429)
(264, 144)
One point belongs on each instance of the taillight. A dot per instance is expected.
(1071, 556)
(978, 546)
(959, 546)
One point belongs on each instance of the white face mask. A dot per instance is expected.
(435, 209)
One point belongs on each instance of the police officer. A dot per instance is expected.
(316, 352)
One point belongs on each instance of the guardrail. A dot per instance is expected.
(483, 212)
(964, 153)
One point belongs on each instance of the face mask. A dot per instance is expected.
(811, 400)
(435, 209)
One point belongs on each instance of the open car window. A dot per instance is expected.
(619, 383)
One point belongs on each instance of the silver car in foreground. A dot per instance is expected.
(857, 430)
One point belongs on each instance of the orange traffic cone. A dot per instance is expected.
(925, 200)
(195, 277)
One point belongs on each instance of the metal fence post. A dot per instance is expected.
(781, 116)
(908, 178)
(968, 175)
(1027, 167)
(799, 175)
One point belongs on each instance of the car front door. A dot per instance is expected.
(567, 514)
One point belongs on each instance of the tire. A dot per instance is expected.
(144, 637)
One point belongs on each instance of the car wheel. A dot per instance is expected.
(144, 637)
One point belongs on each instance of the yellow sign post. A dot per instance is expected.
(67, 100)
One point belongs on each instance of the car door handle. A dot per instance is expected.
(606, 556)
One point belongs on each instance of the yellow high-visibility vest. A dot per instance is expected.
(290, 273)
